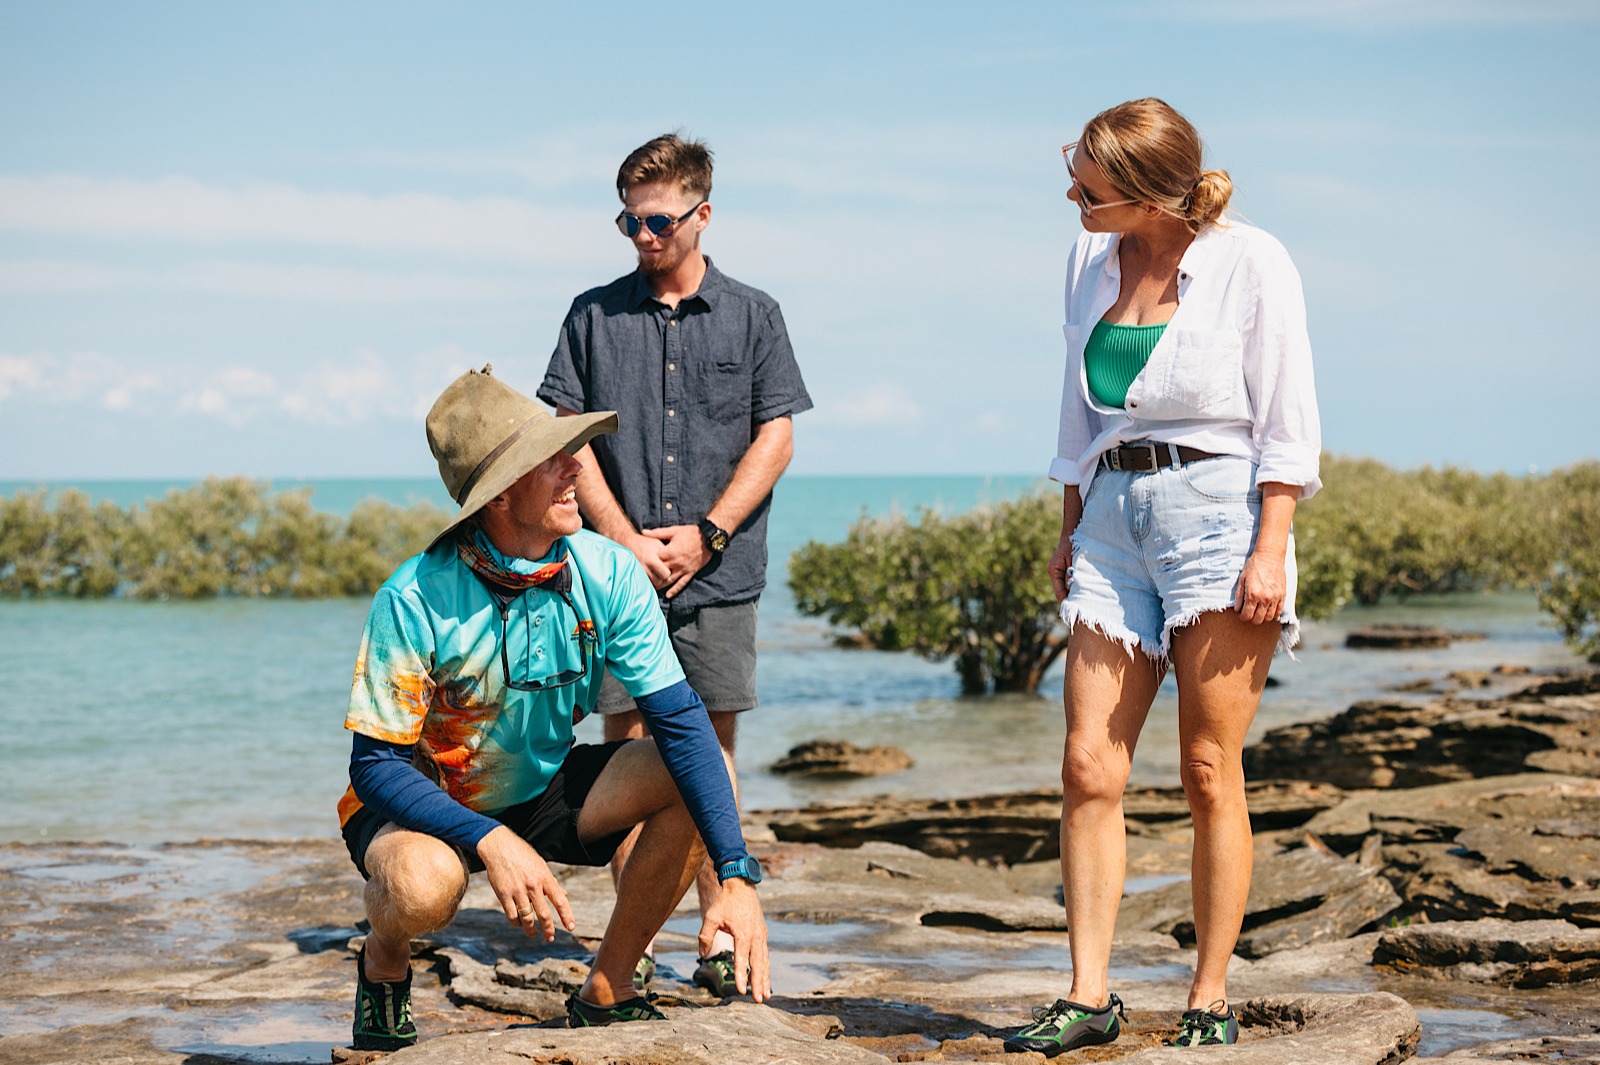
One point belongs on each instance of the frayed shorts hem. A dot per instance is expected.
(1073, 615)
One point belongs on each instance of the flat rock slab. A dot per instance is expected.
(1025, 826)
(1326, 1029)
(1523, 847)
(838, 758)
(1297, 898)
(738, 1032)
(1404, 637)
(1568, 1050)
(1508, 953)
(1553, 726)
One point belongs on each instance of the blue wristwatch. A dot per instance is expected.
(746, 868)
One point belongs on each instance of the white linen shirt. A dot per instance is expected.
(1231, 373)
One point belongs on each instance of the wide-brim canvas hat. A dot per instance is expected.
(486, 436)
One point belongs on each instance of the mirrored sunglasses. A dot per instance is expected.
(660, 224)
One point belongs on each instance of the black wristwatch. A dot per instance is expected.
(746, 868)
(715, 538)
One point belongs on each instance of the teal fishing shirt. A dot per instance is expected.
(429, 670)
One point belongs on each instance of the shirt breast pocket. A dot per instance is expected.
(722, 379)
(1192, 373)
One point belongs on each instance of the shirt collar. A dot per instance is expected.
(1196, 257)
(1201, 251)
(710, 285)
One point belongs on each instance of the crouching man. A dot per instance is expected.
(479, 656)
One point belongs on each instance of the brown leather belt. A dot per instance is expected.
(1146, 455)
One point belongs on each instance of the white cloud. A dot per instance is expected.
(186, 210)
(314, 284)
(76, 378)
(234, 395)
(881, 403)
(19, 372)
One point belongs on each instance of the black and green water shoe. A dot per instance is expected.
(581, 1014)
(383, 1012)
(1067, 1026)
(1205, 1028)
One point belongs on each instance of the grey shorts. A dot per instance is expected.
(716, 645)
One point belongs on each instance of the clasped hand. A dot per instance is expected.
(671, 555)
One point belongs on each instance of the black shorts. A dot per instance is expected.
(548, 821)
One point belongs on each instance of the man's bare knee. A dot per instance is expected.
(417, 884)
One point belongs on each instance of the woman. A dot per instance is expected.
(1188, 432)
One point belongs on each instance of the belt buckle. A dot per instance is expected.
(1148, 446)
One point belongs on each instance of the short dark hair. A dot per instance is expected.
(668, 158)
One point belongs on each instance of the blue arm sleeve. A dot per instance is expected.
(385, 780)
(677, 719)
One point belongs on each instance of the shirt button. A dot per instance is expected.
(674, 323)
(672, 366)
(672, 414)
(669, 506)
(670, 458)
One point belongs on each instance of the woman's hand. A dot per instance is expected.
(1059, 566)
(1060, 563)
(1262, 588)
(1264, 584)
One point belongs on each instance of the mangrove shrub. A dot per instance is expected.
(974, 589)
(221, 537)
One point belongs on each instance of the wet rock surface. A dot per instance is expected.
(1404, 637)
(1510, 953)
(1552, 726)
(838, 758)
(905, 931)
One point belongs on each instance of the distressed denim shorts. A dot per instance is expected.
(1156, 550)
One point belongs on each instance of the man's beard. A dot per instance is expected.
(662, 265)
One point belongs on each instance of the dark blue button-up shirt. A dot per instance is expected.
(691, 385)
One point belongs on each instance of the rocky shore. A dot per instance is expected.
(1427, 888)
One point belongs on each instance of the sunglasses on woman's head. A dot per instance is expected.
(659, 224)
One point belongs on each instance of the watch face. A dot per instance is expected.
(715, 538)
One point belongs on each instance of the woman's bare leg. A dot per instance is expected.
(1108, 694)
(1221, 665)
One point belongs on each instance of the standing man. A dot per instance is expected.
(479, 656)
(700, 368)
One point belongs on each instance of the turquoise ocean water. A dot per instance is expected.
(144, 722)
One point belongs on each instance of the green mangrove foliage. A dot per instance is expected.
(222, 537)
(965, 588)
(1570, 593)
(973, 588)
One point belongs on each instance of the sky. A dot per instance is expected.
(259, 239)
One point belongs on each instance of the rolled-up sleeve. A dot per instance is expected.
(1074, 434)
(777, 389)
(1277, 369)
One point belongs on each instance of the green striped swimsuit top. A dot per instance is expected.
(1114, 356)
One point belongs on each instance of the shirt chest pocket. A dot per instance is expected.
(1192, 373)
(721, 376)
